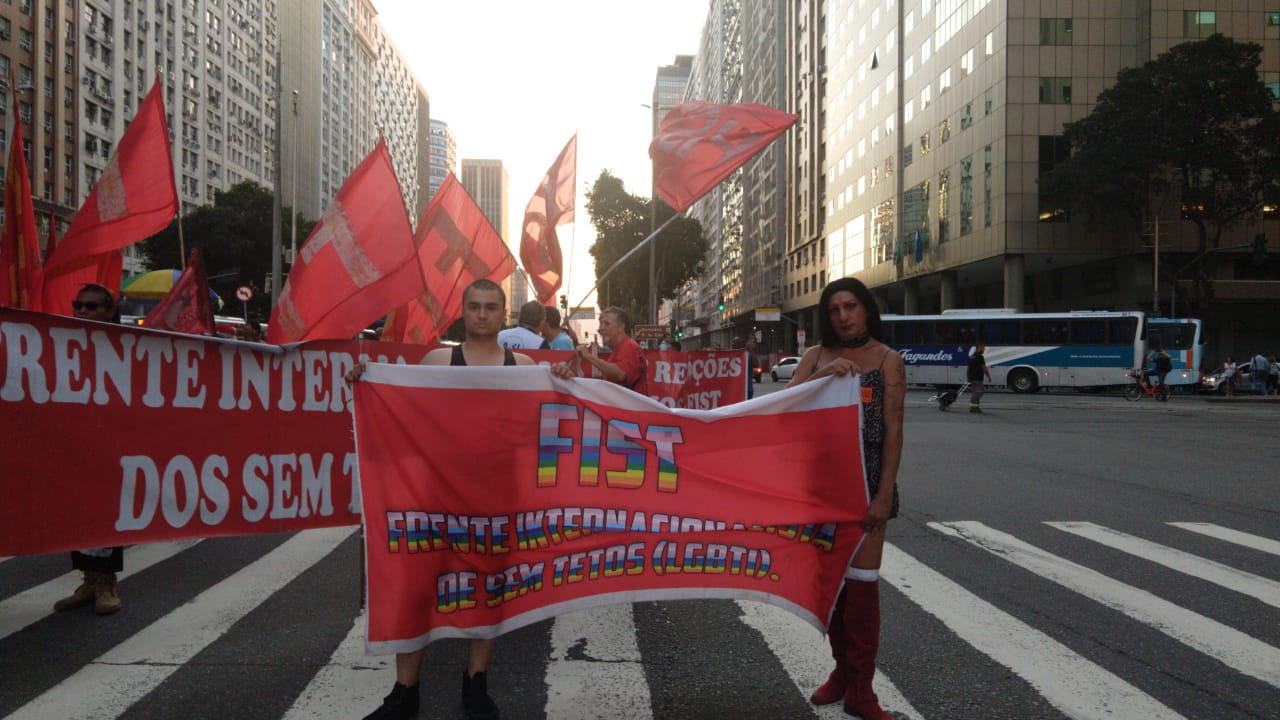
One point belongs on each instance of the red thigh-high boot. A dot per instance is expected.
(834, 688)
(862, 628)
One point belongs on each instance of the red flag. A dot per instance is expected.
(186, 308)
(699, 144)
(53, 234)
(550, 207)
(135, 198)
(21, 276)
(358, 262)
(456, 246)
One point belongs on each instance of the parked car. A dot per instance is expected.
(785, 368)
(1212, 382)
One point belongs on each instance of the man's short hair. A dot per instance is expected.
(532, 314)
(489, 285)
(553, 316)
(620, 315)
(99, 289)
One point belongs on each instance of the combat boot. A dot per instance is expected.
(106, 600)
(83, 595)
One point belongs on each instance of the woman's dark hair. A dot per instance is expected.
(875, 328)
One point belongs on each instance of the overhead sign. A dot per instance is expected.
(244, 293)
(768, 314)
(651, 332)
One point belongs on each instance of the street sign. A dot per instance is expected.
(244, 293)
(651, 332)
(768, 314)
(800, 338)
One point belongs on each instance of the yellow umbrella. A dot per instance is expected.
(152, 285)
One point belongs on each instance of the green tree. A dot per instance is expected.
(621, 221)
(233, 234)
(1195, 125)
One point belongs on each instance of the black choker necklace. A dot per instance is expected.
(856, 342)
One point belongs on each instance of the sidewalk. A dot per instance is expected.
(1273, 399)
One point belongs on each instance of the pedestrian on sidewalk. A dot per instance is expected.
(1259, 371)
(99, 565)
(851, 330)
(1273, 377)
(975, 374)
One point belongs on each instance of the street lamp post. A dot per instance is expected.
(653, 225)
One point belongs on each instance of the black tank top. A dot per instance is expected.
(508, 357)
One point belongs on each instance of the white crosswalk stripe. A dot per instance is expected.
(1072, 684)
(1226, 644)
(1266, 545)
(1268, 591)
(129, 671)
(594, 667)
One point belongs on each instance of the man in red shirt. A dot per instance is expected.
(626, 366)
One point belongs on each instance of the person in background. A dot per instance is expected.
(1259, 371)
(851, 330)
(557, 337)
(1161, 366)
(1273, 376)
(526, 334)
(1229, 375)
(975, 374)
(251, 332)
(98, 565)
(748, 344)
(626, 365)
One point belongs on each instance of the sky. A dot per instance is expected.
(516, 79)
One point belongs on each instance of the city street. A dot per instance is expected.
(1060, 555)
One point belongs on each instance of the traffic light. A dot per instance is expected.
(1260, 249)
(679, 333)
(564, 302)
(720, 305)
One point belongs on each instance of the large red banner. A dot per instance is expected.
(115, 435)
(497, 497)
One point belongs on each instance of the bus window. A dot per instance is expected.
(1121, 331)
(946, 332)
(1042, 332)
(1000, 332)
(1087, 332)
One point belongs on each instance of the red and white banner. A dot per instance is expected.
(118, 435)
(498, 497)
(699, 144)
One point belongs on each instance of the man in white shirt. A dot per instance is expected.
(527, 335)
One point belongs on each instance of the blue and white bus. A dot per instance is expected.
(1183, 339)
(1025, 351)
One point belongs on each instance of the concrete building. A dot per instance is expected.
(716, 76)
(39, 46)
(217, 68)
(941, 116)
(670, 84)
(444, 155)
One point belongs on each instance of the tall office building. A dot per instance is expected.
(444, 155)
(943, 115)
(716, 76)
(669, 87)
(217, 69)
(38, 48)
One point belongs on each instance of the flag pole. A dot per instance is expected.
(182, 245)
(624, 258)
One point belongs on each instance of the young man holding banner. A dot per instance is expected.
(484, 306)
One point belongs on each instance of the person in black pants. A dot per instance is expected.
(975, 375)
(99, 565)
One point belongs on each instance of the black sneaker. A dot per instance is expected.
(475, 698)
(401, 704)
